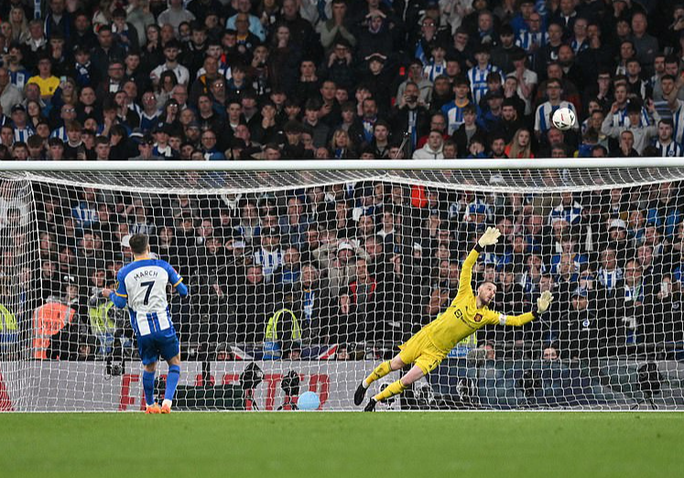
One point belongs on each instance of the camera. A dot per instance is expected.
(115, 369)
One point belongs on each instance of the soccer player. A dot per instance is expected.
(142, 285)
(467, 313)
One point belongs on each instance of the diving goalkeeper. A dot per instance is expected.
(467, 313)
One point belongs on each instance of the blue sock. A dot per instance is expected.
(148, 386)
(172, 381)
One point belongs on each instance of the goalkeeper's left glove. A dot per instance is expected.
(544, 301)
(490, 237)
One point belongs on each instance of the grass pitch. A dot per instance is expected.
(506, 444)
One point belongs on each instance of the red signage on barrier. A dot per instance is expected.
(5, 402)
(319, 383)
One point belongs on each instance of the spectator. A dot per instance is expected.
(520, 146)
(433, 149)
(554, 92)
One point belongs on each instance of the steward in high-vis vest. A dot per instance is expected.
(9, 330)
(48, 321)
(102, 315)
(283, 330)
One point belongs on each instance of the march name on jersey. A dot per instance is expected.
(142, 284)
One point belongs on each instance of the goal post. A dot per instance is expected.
(315, 271)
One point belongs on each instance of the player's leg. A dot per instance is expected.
(171, 383)
(149, 357)
(410, 351)
(428, 359)
(148, 387)
(416, 373)
(169, 348)
(380, 371)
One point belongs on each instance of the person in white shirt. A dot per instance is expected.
(175, 15)
(171, 51)
(433, 149)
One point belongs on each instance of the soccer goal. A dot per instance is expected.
(303, 276)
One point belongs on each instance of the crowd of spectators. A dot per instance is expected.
(356, 263)
(339, 79)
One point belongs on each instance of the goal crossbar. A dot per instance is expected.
(346, 165)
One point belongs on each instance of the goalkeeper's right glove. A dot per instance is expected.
(544, 301)
(490, 237)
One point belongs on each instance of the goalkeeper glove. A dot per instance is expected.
(544, 301)
(490, 237)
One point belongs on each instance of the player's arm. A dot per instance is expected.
(490, 237)
(177, 281)
(543, 304)
(120, 296)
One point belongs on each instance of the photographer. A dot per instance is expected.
(411, 115)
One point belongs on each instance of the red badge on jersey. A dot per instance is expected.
(477, 318)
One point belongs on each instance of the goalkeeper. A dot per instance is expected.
(467, 313)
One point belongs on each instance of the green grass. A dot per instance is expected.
(507, 444)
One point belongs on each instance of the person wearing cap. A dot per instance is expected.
(582, 335)
(22, 129)
(161, 143)
(468, 312)
(491, 116)
(146, 150)
(377, 77)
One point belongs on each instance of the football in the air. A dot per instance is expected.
(564, 119)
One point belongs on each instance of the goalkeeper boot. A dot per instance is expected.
(153, 409)
(166, 407)
(359, 395)
(371, 405)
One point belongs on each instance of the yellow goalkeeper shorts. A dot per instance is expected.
(421, 351)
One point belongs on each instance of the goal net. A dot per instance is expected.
(305, 280)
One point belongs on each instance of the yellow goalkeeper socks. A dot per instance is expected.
(380, 371)
(392, 389)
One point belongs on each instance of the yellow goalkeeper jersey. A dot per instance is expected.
(462, 317)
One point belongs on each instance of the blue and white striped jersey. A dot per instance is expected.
(433, 70)
(526, 40)
(622, 119)
(60, 133)
(23, 134)
(671, 150)
(478, 81)
(572, 214)
(609, 279)
(544, 113)
(142, 284)
(454, 115)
